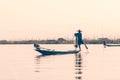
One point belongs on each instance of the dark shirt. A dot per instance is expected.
(79, 38)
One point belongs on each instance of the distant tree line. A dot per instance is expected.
(62, 41)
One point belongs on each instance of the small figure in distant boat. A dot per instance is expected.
(36, 46)
(78, 39)
(104, 43)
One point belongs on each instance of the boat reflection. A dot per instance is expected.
(78, 64)
(37, 63)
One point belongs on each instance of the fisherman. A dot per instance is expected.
(104, 43)
(79, 40)
(36, 46)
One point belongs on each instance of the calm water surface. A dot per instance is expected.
(21, 62)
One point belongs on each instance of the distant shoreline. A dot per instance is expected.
(61, 41)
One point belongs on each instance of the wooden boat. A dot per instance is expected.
(110, 45)
(44, 51)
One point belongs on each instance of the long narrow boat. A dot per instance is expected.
(110, 45)
(44, 51)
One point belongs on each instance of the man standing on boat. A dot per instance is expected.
(78, 39)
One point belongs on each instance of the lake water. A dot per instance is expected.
(22, 62)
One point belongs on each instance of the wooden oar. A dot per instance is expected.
(85, 45)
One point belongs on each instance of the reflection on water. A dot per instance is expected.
(37, 63)
(78, 62)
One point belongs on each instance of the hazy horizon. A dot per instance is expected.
(51, 19)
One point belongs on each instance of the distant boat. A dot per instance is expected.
(44, 51)
(110, 45)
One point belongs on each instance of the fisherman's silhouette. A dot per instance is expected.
(79, 40)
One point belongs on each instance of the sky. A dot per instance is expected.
(51, 19)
